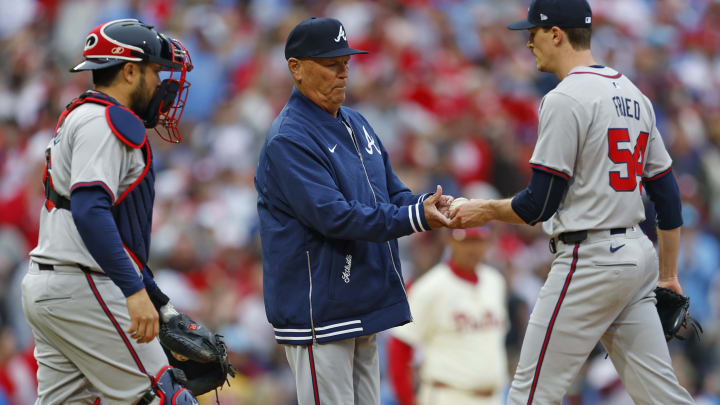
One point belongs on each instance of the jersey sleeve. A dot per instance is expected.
(558, 135)
(657, 158)
(98, 157)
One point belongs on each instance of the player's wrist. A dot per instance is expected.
(158, 298)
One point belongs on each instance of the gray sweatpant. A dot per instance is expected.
(344, 372)
(600, 289)
(81, 347)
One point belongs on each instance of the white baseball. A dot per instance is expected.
(457, 202)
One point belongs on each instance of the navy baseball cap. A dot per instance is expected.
(561, 13)
(318, 38)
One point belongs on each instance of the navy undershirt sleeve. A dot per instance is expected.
(94, 221)
(539, 201)
(664, 193)
(157, 297)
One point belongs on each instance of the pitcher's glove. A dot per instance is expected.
(200, 354)
(673, 310)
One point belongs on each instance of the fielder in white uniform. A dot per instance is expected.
(459, 324)
(598, 147)
(88, 294)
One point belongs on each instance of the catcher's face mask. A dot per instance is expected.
(129, 40)
(166, 107)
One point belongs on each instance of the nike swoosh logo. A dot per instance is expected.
(332, 150)
(615, 249)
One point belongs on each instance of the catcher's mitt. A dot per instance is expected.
(200, 354)
(673, 310)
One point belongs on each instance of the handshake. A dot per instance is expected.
(446, 211)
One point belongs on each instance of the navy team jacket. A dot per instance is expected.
(330, 212)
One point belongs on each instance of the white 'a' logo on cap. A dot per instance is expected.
(588, 20)
(543, 17)
(341, 35)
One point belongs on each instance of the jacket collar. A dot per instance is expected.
(301, 102)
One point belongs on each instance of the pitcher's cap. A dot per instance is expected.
(561, 13)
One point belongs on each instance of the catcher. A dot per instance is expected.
(88, 293)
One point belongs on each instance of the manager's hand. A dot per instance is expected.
(434, 217)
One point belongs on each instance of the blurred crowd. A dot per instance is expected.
(453, 96)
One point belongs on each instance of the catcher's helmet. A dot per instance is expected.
(129, 40)
(126, 40)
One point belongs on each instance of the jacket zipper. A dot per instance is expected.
(362, 162)
(312, 324)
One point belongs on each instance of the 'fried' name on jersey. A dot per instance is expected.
(626, 107)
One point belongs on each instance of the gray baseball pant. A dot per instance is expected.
(344, 372)
(84, 355)
(600, 289)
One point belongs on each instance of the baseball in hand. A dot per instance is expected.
(457, 202)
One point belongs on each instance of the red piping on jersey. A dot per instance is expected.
(90, 184)
(118, 133)
(657, 176)
(549, 170)
(617, 76)
(142, 176)
(115, 323)
(552, 323)
(314, 377)
(133, 257)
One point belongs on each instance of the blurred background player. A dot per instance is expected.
(88, 294)
(459, 324)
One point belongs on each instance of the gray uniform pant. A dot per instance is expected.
(344, 372)
(600, 289)
(84, 355)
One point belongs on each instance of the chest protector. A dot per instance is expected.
(132, 210)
